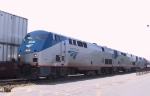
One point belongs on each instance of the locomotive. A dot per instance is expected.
(48, 54)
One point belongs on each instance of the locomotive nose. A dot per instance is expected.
(26, 69)
(31, 59)
(27, 72)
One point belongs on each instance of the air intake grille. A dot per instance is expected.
(35, 59)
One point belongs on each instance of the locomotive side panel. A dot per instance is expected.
(90, 58)
(141, 63)
(76, 54)
(52, 56)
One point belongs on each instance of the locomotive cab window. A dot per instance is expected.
(102, 49)
(41, 36)
(80, 43)
(124, 54)
(85, 45)
(54, 37)
(74, 42)
(57, 37)
(70, 41)
(121, 53)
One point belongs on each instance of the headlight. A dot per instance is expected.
(27, 50)
(35, 55)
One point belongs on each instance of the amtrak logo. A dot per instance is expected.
(73, 54)
(122, 60)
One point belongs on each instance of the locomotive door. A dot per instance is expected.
(63, 51)
(113, 60)
(1, 52)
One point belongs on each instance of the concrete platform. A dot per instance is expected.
(118, 85)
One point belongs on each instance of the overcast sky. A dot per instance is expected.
(118, 24)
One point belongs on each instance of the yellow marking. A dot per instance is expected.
(98, 90)
(130, 79)
(41, 92)
(104, 87)
(28, 90)
(56, 93)
(114, 84)
(9, 94)
(12, 91)
(75, 88)
(125, 79)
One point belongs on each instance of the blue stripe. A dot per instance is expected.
(40, 44)
(136, 58)
(75, 55)
(115, 54)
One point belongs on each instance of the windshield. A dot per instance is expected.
(41, 36)
(35, 36)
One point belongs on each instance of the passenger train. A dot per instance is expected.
(48, 54)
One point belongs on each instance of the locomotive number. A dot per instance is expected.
(31, 42)
(74, 49)
(2, 68)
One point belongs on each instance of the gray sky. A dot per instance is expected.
(118, 24)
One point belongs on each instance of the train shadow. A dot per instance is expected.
(58, 81)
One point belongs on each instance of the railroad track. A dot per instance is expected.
(71, 77)
(7, 84)
(11, 81)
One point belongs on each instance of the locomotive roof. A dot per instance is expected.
(41, 31)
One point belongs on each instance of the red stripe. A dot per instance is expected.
(82, 66)
(58, 65)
